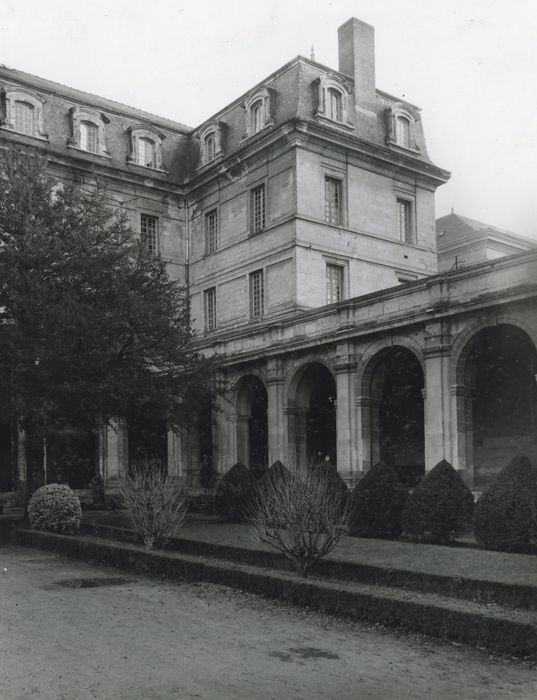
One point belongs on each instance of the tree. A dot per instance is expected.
(93, 328)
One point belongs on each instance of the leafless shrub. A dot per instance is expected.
(157, 502)
(301, 515)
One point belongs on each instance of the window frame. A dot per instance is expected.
(211, 234)
(154, 246)
(331, 178)
(340, 269)
(209, 309)
(405, 224)
(254, 228)
(256, 297)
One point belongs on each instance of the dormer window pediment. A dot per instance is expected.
(333, 100)
(145, 147)
(22, 111)
(258, 111)
(401, 120)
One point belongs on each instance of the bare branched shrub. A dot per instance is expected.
(301, 515)
(157, 502)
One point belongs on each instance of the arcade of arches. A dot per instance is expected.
(462, 392)
(411, 404)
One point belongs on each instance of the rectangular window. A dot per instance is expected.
(24, 118)
(149, 232)
(404, 220)
(332, 202)
(334, 283)
(258, 208)
(89, 137)
(210, 309)
(211, 231)
(257, 292)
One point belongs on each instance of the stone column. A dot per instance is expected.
(437, 395)
(243, 446)
(22, 467)
(462, 433)
(177, 454)
(115, 452)
(296, 431)
(367, 432)
(346, 414)
(278, 447)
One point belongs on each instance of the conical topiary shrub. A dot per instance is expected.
(378, 501)
(505, 516)
(234, 493)
(440, 508)
(335, 482)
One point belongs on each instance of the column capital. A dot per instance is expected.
(346, 363)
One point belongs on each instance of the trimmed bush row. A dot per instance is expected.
(498, 631)
(518, 596)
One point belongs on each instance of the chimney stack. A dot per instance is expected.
(356, 44)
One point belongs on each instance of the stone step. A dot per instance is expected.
(457, 587)
(492, 627)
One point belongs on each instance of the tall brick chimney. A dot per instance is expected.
(356, 44)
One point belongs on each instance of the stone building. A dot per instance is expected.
(301, 218)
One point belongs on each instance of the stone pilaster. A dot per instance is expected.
(276, 419)
(346, 414)
(437, 396)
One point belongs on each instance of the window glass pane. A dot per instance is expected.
(256, 116)
(333, 200)
(258, 208)
(210, 309)
(89, 137)
(149, 232)
(404, 220)
(256, 294)
(24, 118)
(402, 132)
(210, 147)
(334, 104)
(147, 153)
(334, 283)
(211, 231)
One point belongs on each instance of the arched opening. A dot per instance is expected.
(314, 430)
(252, 423)
(501, 397)
(148, 436)
(397, 415)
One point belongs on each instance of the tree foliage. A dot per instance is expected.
(92, 327)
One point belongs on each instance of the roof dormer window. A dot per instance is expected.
(332, 99)
(258, 108)
(22, 111)
(211, 142)
(88, 131)
(401, 122)
(145, 147)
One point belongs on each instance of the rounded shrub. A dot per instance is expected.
(56, 508)
(440, 508)
(505, 516)
(378, 501)
(234, 493)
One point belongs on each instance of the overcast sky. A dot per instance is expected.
(471, 65)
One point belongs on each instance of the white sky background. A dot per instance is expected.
(471, 65)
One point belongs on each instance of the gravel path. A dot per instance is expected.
(69, 632)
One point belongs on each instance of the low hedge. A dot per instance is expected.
(440, 508)
(505, 516)
(378, 501)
